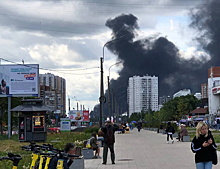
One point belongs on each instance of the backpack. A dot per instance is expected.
(88, 145)
(109, 139)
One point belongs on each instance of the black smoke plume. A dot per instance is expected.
(160, 57)
(206, 19)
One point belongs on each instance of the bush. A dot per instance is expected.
(91, 130)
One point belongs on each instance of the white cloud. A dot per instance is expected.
(58, 54)
(192, 52)
(70, 35)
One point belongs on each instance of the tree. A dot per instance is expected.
(15, 101)
(178, 107)
(135, 117)
(168, 111)
(186, 104)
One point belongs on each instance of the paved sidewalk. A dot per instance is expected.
(147, 150)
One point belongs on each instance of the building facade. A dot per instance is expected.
(142, 94)
(204, 90)
(183, 92)
(53, 92)
(214, 91)
(163, 100)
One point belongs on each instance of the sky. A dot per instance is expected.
(67, 37)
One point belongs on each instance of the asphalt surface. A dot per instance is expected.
(147, 150)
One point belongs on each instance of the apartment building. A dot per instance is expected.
(53, 92)
(142, 94)
(204, 90)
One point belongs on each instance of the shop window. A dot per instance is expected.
(38, 123)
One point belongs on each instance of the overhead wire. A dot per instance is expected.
(54, 70)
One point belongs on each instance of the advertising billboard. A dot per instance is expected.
(20, 80)
(79, 115)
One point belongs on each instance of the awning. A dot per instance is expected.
(29, 108)
(183, 120)
(198, 119)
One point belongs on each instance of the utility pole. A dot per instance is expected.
(102, 97)
(109, 99)
(109, 91)
(69, 103)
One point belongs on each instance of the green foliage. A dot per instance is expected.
(58, 140)
(135, 117)
(15, 101)
(173, 110)
(178, 107)
(152, 119)
(176, 128)
(91, 130)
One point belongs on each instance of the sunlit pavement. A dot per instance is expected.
(147, 150)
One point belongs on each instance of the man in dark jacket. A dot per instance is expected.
(109, 140)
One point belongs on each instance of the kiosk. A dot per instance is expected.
(31, 120)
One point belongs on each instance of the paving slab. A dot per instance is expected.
(147, 150)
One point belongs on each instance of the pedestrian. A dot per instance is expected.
(218, 124)
(183, 132)
(94, 145)
(109, 140)
(131, 126)
(139, 126)
(69, 149)
(170, 131)
(204, 147)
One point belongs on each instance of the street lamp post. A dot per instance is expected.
(102, 98)
(109, 90)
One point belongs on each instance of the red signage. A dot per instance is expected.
(86, 115)
(216, 90)
(79, 115)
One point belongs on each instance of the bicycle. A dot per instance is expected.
(14, 158)
(39, 154)
(42, 155)
(40, 158)
(61, 157)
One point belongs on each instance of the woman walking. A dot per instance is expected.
(170, 131)
(203, 145)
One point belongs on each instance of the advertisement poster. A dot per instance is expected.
(19, 79)
(79, 115)
(65, 124)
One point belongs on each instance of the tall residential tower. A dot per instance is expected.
(53, 92)
(142, 94)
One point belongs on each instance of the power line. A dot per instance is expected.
(54, 70)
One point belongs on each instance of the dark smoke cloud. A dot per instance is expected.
(206, 19)
(153, 56)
